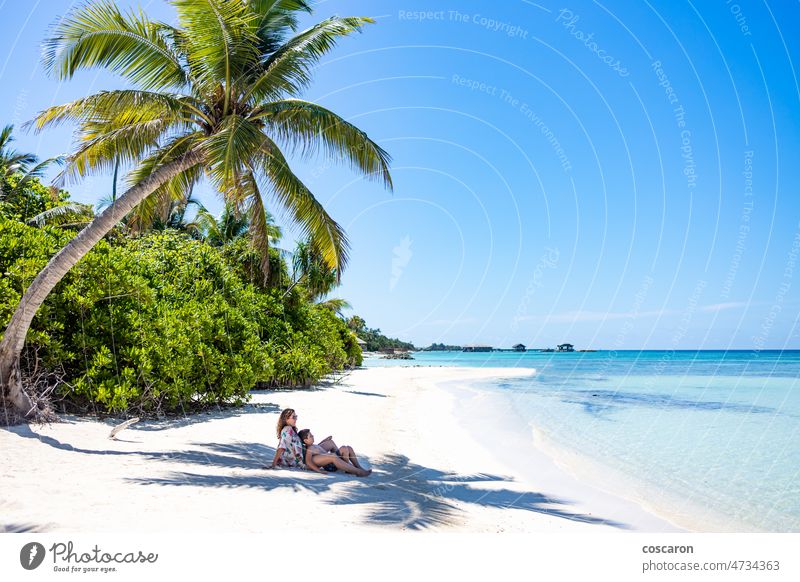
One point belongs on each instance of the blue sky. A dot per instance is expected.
(617, 176)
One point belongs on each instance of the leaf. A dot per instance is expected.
(307, 127)
(99, 35)
(303, 207)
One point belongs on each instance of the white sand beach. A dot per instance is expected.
(203, 473)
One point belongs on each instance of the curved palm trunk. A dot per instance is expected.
(11, 391)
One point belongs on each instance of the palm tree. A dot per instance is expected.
(12, 162)
(164, 213)
(71, 215)
(310, 269)
(230, 225)
(336, 305)
(213, 96)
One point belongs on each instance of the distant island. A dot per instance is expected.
(487, 348)
(372, 340)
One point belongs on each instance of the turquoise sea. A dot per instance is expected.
(718, 429)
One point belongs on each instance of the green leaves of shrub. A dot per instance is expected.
(165, 323)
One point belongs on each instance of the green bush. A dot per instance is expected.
(24, 203)
(164, 322)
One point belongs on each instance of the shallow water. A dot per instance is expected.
(718, 429)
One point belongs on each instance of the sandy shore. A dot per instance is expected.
(436, 458)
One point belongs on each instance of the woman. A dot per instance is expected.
(290, 447)
(316, 457)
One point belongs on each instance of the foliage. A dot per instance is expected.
(434, 347)
(163, 322)
(219, 90)
(376, 341)
(27, 201)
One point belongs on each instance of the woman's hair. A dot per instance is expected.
(287, 412)
(303, 434)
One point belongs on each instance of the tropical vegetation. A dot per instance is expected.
(375, 340)
(161, 321)
(215, 97)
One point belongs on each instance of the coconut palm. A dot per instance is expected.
(336, 305)
(230, 225)
(12, 162)
(215, 96)
(71, 215)
(170, 213)
(310, 269)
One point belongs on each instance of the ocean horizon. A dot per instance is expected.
(716, 429)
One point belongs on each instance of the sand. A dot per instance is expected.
(439, 457)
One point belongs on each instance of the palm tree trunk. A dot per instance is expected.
(11, 391)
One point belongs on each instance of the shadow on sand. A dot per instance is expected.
(359, 393)
(398, 494)
(21, 528)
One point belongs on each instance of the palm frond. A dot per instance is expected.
(103, 145)
(275, 19)
(218, 40)
(306, 126)
(37, 172)
(6, 136)
(336, 305)
(288, 70)
(121, 105)
(259, 227)
(99, 35)
(229, 152)
(82, 213)
(303, 207)
(206, 223)
(12, 161)
(177, 189)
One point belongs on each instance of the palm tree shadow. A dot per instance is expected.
(360, 393)
(398, 494)
(22, 528)
(417, 497)
(234, 455)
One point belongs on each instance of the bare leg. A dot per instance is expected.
(342, 465)
(329, 446)
(348, 454)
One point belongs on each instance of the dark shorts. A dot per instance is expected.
(329, 467)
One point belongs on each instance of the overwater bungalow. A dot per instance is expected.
(565, 348)
(519, 348)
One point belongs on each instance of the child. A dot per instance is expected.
(316, 457)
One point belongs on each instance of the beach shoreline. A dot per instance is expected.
(434, 469)
(584, 471)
